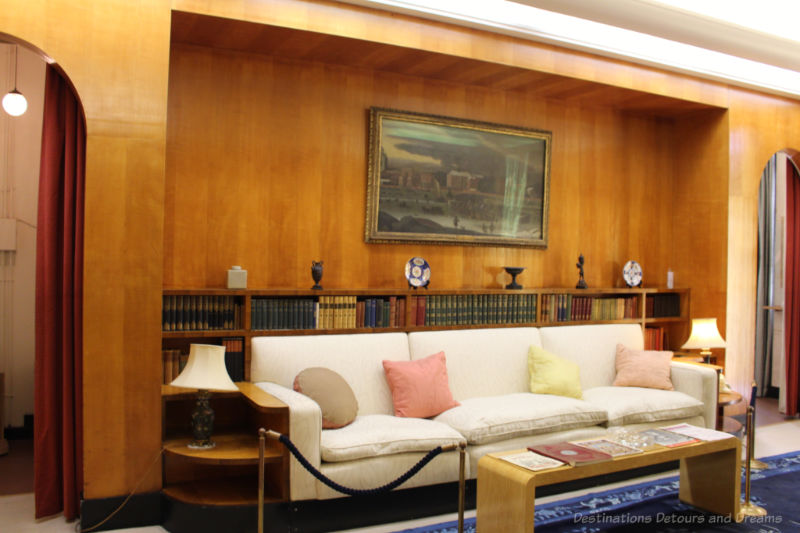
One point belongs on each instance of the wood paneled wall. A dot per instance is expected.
(116, 55)
(280, 179)
(283, 180)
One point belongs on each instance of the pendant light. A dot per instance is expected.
(14, 102)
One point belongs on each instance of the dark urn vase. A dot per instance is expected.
(316, 274)
(514, 271)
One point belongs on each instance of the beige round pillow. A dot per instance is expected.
(332, 393)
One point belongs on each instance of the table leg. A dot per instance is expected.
(505, 497)
(712, 482)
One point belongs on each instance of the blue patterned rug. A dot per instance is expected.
(654, 506)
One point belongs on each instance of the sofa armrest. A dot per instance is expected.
(305, 430)
(699, 382)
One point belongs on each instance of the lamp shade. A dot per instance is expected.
(205, 369)
(704, 335)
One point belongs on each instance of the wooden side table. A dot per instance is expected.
(727, 423)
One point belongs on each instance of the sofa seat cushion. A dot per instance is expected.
(374, 435)
(634, 405)
(494, 418)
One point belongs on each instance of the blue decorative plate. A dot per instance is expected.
(418, 273)
(632, 274)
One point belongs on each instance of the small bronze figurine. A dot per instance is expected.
(581, 282)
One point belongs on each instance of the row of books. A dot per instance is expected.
(574, 453)
(234, 357)
(472, 309)
(174, 361)
(327, 312)
(569, 308)
(342, 312)
(655, 338)
(283, 313)
(200, 312)
(663, 305)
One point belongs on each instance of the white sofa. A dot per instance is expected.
(488, 376)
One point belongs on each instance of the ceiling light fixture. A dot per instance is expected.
(14, 102)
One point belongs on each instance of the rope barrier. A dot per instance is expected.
(283, 439)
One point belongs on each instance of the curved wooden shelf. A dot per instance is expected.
(219, 492)
(231, 449)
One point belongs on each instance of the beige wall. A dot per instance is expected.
(20, 146)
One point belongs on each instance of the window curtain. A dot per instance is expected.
(58, 423)
(766, 251)
(792, 303)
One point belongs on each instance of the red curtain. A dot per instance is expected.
(58, 420)
(792, 304)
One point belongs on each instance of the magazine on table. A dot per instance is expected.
(614, 449)
(698, 432)
(532, 460)
(667, 438)
(570, 453)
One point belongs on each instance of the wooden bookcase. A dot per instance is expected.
(215, 316)
(226, 475)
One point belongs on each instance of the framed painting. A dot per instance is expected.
(447, 180)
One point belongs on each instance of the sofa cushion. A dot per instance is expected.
(331, 392)
(480, 362)
(551, 374)
(634, 405)
(374, 435)
(419, 388)
(356, 357)
(593, 347)
(494, 418)
(643, 368)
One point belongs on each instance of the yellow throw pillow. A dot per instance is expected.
(551, 374)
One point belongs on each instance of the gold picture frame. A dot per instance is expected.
(455, 181)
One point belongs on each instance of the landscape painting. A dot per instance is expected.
(447, 180)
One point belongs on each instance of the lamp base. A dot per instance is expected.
(202, 422)
(201, 445)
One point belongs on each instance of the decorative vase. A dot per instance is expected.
(316, 274)
(514, 271)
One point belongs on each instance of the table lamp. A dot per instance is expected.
(205, 370)
(704, 336)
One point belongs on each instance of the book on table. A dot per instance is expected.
(532, 460)
(614, 449)
(698, 432)
(668, 438)
(571, 454)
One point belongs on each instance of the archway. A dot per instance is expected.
(778, 287)
(54, 217)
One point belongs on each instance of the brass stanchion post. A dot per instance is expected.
(462, 451)
(748, 508)
(261, 444)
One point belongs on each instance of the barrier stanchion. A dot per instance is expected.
(748, 508)
(261, 444)
(462, 451)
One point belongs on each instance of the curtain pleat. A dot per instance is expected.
(58, 421)
(792, 303)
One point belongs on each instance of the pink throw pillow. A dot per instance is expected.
(419, 388)
(643, 368)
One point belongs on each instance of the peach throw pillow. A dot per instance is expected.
(419, 388)
(643, 368)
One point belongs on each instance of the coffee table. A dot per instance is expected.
(710, 479)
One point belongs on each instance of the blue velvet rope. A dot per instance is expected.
(358, 492)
